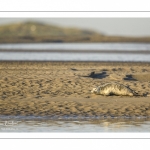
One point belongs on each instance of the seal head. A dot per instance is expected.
(96, 90)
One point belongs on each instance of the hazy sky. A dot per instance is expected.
(109, 26)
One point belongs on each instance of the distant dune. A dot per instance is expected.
(34, 32)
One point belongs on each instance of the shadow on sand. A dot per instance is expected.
(129, 78)
(97, 75)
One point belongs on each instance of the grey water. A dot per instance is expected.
(124, 52)
(90, 125)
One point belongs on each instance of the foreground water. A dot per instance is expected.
(84, 125)
(135, 52)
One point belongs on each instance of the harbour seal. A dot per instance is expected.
(114, 89)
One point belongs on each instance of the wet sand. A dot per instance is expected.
(63, 89)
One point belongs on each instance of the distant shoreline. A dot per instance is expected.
(34, 32)
(76, 51)
(105, 39)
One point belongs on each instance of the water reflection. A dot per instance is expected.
(96, 125)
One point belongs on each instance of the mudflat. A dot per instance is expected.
(63, 88)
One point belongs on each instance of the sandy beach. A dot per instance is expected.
(63, 88)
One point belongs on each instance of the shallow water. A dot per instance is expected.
(71, 125)
(135, 52)
(74, 57)
(77, 46)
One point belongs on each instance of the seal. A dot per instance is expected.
(114, 89)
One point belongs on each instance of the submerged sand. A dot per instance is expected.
(63, 88)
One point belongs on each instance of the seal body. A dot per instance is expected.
(113, 89)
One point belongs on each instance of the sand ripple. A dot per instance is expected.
(28, 88)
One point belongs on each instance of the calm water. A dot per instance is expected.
(76, 52)
(101, 125)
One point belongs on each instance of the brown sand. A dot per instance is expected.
(63, 88)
